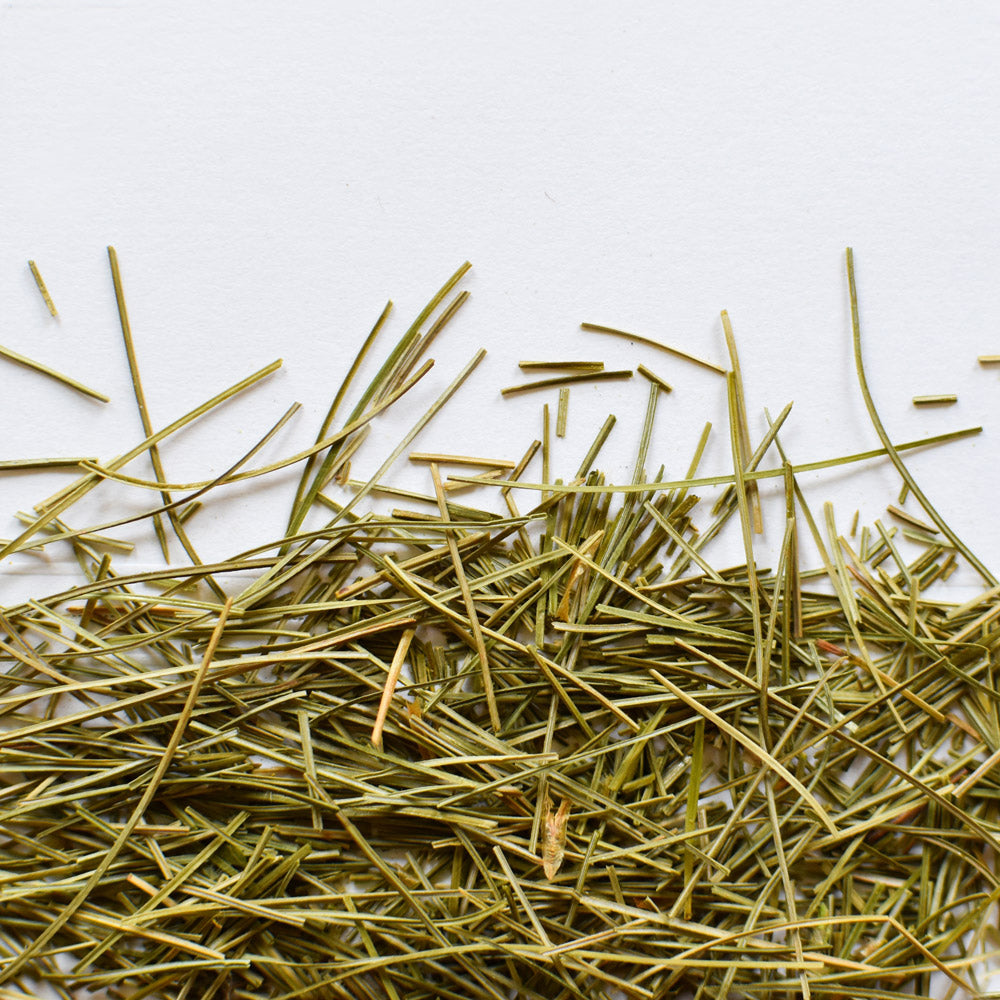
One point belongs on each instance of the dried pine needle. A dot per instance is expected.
(655, 379)
(563, 380)
(140, 398)
(562, 411)
(676, 352)
(892, 451)
(908, 518)
(741, 439)
(40, 282)
(554, 837)
(26, 464)
(443, 459)
(20, 359)
(571, 366)
(943, 399)
(395, 668)
(766, 788)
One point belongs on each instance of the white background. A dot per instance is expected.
(271, 172)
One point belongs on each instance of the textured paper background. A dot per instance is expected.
(272, 172)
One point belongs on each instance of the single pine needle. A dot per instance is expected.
(677, 353)
(438, 458)
(392, 678)
(25, 464)
(561, 411)
(943, 399)
(40, 282)
(37, 366)
(578, 366)
(655, 379)
(564, 380)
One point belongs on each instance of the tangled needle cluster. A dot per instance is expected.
(540, 748)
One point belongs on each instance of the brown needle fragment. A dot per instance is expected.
(392, 678)
(554, 836)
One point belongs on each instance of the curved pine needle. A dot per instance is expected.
(224, 477)
(893, 451)
(106, 472)
(726, 479)
(676, 352)
(86, 483)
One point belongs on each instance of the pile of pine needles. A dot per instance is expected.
(444, 752)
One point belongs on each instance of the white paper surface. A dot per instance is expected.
(272, 172)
